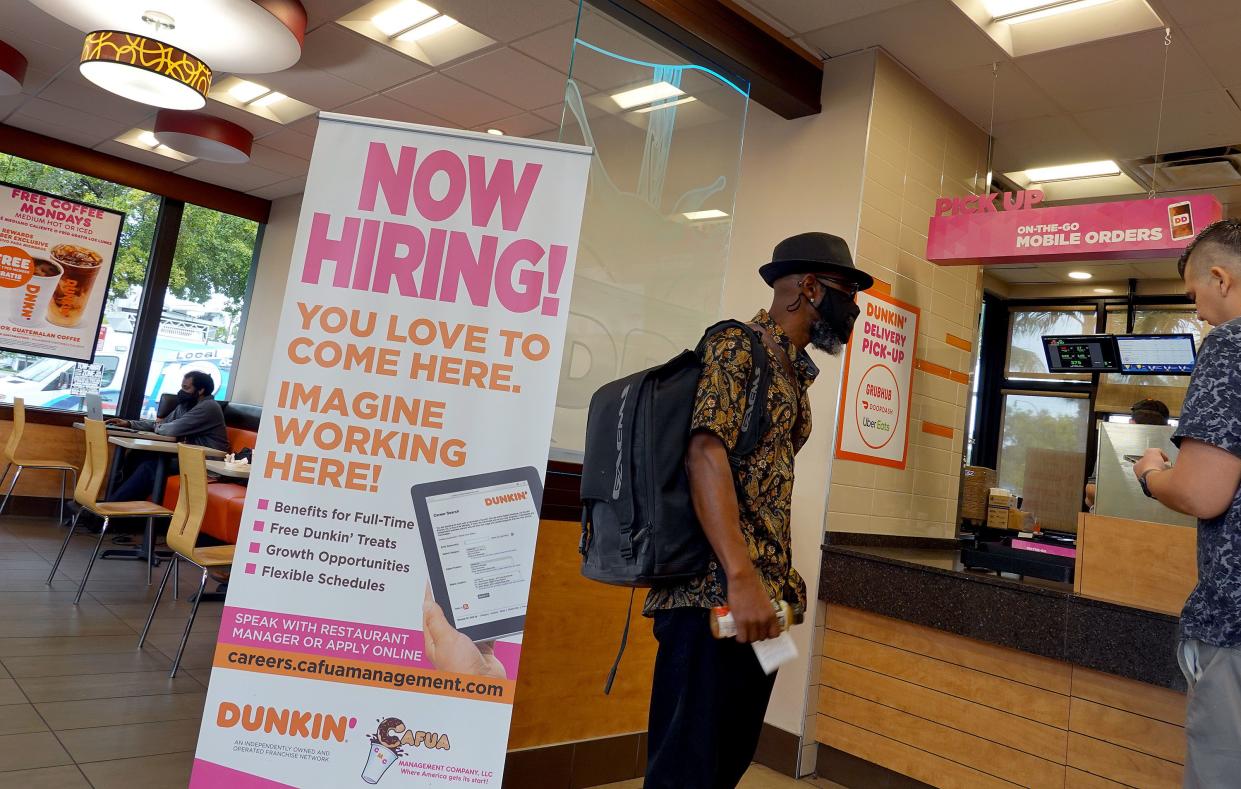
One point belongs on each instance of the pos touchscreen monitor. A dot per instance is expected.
(478, 535)
(1087, 353)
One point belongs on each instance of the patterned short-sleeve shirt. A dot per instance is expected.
(764, 478)
(1212, 414)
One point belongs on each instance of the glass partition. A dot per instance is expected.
(667, 135)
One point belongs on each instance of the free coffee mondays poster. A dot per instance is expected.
(56, 260)
(374, 617)
(878, 387)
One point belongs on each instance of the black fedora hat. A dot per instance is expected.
(814, 253)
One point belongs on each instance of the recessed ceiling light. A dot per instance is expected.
(628, 99)
(1015, 12)
(246, 91)
(1104, 290)
(665, 104)
(427, 29)
(710, 213)
(1068, 172)
(1080, 275)
(496, 132)
(148, 138)
(402, 17)
(267, 100)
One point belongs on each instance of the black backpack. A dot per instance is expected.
(638, 523)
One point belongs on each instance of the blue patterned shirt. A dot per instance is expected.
(1212, 415)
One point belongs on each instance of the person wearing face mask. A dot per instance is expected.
(197, 419)
(709, 695)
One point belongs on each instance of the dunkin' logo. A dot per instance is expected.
(287, 722)
(507, 498)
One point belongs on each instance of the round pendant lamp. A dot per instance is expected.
(145, 70)
(12, 70)
(203, 136)
(235, 36)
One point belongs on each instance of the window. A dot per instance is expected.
(46, 382)
(201, 322)
(1026, 360)
(201, 319)
(1043, 454)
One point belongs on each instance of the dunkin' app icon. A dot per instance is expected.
(1181, 220)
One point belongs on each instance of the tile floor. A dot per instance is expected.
(80, 706)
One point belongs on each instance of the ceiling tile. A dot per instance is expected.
(277, 161)
(802, 16)
(969, 90)
(508, 21)
(25, 22)
(1116, 72)
(554, 47)
(392, 110)
(1040, 142)
(70, 89)
(241, 177)
(454, 101)
(291, 142)
(1216, 42)
(320, 12)
(84, 136)
(524, 125)
(520, 79)
(9, 104)
(312, 86)
(57, 115)
(353, 57)
(281, 189)
(138, 155)
(1198, 120)
(1197, 11)
(907, 31)
(256, 125)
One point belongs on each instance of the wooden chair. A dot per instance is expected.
(187, 521)
(13, 458)
(90, 484)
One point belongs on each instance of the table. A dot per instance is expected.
(222, 469)
(127, 433)
(161, 448)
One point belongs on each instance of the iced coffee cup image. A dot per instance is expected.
(385, 750)
(28, 303)
(81, 267)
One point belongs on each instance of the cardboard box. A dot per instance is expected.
(997, 517)
(1001, 497)
(976, 484)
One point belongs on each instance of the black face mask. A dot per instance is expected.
(187, 398)
(837, 313)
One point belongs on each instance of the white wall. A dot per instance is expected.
(799, 176)
(266, 300)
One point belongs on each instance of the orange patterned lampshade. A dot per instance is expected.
(145, 70)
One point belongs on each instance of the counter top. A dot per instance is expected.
(930, 587)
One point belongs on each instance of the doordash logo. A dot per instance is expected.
(290, 723)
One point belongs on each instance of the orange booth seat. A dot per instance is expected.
(225, 500)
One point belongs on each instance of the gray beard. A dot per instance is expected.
(825, 338)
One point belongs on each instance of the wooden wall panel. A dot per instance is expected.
(904, 759)
(1025, 735)
(1121, 764)
(1125, 694)
(573, 627)
(45, 442)
(966, 683)
(983, 755)
(1135, 732)
(989, 658)
(1136, 563)
(1076, 779)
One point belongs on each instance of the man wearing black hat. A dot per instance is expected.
(709, 695)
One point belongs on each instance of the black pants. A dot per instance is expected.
(139, 477)
(707, 705)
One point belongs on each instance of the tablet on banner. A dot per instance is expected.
(375, 611)
(56, 259)
(878, 382)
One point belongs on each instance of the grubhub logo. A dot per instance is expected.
(386, 743)
(286, 722)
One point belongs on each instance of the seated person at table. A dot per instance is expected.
(1144, 412)
(197, 419)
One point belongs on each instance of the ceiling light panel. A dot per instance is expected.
(710, 213)
(246, 91)
(1022, 11)
(663, 105)
(260, 100)
(1067, 172)
(646, 94)
(144, 140)
(1080, 275)
(416, 30)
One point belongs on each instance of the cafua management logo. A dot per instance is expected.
(386, 746)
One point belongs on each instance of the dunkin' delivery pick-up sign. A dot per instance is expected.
(375, 611)
(878, 387)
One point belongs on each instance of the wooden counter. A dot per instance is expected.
(1136, 563)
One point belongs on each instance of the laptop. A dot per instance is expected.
(94, 407)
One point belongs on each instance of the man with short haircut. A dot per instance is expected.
(1205, 483)
(709, 695)
(197, 419)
